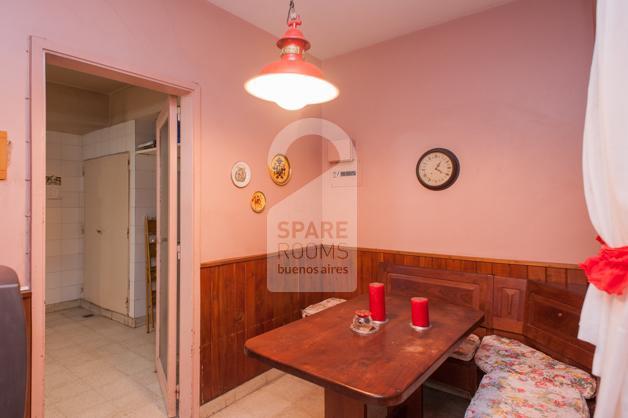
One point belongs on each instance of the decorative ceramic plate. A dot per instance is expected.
(258, 202)
(240, 174)
(279, 169)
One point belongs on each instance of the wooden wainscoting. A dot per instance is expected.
(236, 304)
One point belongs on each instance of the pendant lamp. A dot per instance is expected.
(292, 82)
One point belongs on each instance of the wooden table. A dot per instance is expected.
(379, 375)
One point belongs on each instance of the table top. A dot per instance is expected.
(384, 368)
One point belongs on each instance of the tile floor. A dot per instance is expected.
(291, 397)
(96, 367)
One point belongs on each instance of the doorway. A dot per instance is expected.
(41, 53)
(102, 160)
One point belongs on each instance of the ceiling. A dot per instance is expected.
(82, 81)
(335, 27)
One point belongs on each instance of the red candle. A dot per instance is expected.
(420, 312)
(377, 301)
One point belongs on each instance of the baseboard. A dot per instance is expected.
(60, 306)
(114, 316)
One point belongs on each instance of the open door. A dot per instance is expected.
(167, 260)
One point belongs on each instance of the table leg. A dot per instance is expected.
(340, 406)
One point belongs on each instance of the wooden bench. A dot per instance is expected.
(538, 315)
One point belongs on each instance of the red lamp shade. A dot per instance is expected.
(292, 82)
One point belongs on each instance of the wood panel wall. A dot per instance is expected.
(236, 304)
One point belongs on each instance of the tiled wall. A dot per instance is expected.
(65, 156)
(143, 204)
(64, 218)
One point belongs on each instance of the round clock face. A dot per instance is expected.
(437, 169)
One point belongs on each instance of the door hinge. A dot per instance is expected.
(177, 392)
(178, 113)
(178, 251)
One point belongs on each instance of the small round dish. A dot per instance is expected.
(362, 323)
(364, 330)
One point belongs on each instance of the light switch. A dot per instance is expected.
(4, 154)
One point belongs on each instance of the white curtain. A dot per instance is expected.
(604, 319)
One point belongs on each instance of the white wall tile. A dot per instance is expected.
(64, 237)
(71, 292)
(54, 151)
(72, 230)
(69, 199)
(53, 215)
(72, 184)
(53, 295)
(54, 167)
(54, 280)
(72, 277)
(72, 169)
(71, 246)
(71, 215)
(53, 247)
(53, 263)
(71, 152)
(53, 231)
(72, 262)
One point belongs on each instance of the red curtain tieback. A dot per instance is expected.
(608, 270)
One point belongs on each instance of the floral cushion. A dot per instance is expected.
(321, 306)
(501, 353)
(503, 394)
(467, 348)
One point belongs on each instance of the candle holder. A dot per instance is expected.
(362, 323)
(419, 329)
(380, 322)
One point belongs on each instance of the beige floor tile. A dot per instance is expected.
(74, 406)
(104, 377)
(261, 404)
(291, 388)
(66, 391)
(136, 400)
(58, 379)
(145, 377)
(104, 410)
(151, 410)
(234, 411)
(53, 412)
(119, 388)
(99, 368)
(89, 368)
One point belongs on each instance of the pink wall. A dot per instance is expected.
(189, 40)
(506, 91)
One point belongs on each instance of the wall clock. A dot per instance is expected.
(279, 169)
(438, 169)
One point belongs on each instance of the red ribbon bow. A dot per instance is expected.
(608, 270)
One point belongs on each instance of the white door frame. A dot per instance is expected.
(44, 51)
